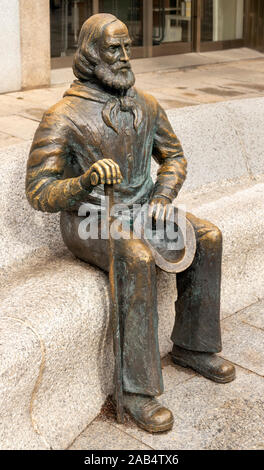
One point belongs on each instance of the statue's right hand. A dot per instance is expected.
(107, 170)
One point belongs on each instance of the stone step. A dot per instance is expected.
(55, 316)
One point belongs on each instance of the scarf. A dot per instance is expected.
(112, 104)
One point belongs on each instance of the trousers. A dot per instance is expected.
(197, 318)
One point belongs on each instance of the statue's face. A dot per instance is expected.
(114, 69)
(115, 47)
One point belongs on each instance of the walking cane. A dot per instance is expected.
(115, 315)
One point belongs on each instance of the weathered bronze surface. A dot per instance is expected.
(104, 132)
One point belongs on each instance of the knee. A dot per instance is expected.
(210, 237)
(215, 236)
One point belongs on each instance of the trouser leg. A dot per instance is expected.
(136, 275)
(138, 301)
(197, 323)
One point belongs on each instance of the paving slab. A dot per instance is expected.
(253, 315)
(104, 436)
(232, 54)
(243, 344)
(43, 96)
(7, 140)
(168, 62)
(210, 416)
(33, 113)
(9, 105)
(18, 126)
(169, 95)
(233, 72)
(255, 65)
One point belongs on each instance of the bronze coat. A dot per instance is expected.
(73, 135)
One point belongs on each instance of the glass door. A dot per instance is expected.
(222, 24)
(131, 13)
(66, 19)
(255, 24)
(172, 26)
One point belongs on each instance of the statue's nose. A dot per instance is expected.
(124, 57)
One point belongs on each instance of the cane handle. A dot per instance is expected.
(94, 178)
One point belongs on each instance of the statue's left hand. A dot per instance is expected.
(160, 208)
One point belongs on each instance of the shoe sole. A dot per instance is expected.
(215, 378)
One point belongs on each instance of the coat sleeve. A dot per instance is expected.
(168, 152)
(47, 188)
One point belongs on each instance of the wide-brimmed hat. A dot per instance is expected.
(172, 242)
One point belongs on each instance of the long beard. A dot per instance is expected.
(120, 80)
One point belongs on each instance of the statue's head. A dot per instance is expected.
(103, 52)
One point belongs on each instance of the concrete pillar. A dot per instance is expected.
(24, 44)
(35, 43)
(10, 51)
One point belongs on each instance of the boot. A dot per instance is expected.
(147, 412)
(209, 365)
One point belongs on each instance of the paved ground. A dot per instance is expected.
(176, 81)
(207, 415)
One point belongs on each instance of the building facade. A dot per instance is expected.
(38, 35)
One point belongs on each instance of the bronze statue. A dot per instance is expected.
(104, 126)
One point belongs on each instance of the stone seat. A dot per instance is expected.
(55, 341)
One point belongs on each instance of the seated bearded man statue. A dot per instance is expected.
(104, 125)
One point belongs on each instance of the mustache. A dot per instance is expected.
(117, 67)
(119, 80)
